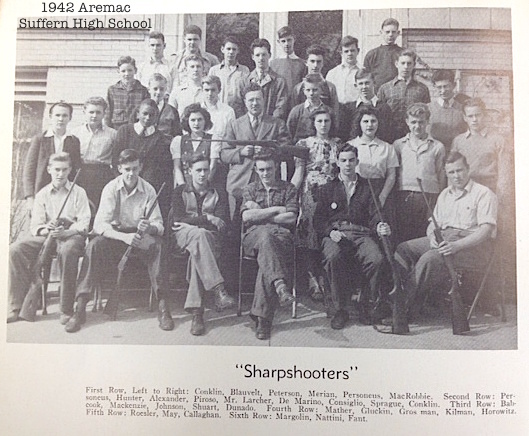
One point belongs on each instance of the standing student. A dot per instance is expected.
(380, 61)
(125, 95)
(191, 91)
(403, 91)
(96, 141)
(155, 62)
(56, 139)
(168, 121)
(343, 75)
(221, 114)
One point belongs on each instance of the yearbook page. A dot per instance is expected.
(295, 218)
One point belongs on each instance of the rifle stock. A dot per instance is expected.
(399, 325)
(112, 305)
(32, 301)
(460, 323)
(284, 151)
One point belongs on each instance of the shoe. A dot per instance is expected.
(75, 322)
(197, 324)
(264, 327)
(165, 319)
(13, 316)
(285, 297)
(64, 318)
(339, 320)
(222, 299)
(314, 289)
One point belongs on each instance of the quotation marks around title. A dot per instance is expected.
(346, 406)
(253, 371)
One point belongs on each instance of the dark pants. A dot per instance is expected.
(93, 178)
(273, 247)
(412, 214)
(338, 259)
(22, 258)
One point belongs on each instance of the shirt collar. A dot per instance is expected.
(290, 56)
(66, 187)
(373, 101)
(484, 132)
(307, 105)
(346, 66)
(138, 128)
(208, 106)
(442, 102)
(120, 185)
(467, 189)
(89, 130)
(274, 187)
(374, 142)
(51, 134)
(252, 117)
(161, 61)
(400, 79)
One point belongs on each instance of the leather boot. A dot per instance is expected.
(165, 319)
(222, 299)
(197, 324)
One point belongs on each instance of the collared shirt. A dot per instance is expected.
(221, 115)
(48, 203)
(283, 55)
(281, 193)
(126, 209)
(310, 107)
(422, 159)
(343, 77)
(399, 93)
(350, 187)
(58, 141)
(468, 209)
(184, 95)
(178, 69)
(144, 131)
(123, 100)
(176, 147)
(229, 77)
(96, 145)
(482, 152)
(373, 101)
(152, 66)
(375, 157)
(449, 103)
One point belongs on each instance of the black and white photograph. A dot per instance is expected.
(241, 179)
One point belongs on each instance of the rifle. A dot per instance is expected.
(111, 307)
(284, 151)
(398, 307)
(459, 319)
(33, 298)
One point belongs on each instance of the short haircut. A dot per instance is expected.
(63, 104)
(212, 80)
(455, 156)
(410, 53)
(195, 108)
(266, 155)
(154, 34)
(344, 148)
(347, 41)
(314, 79)
(191, 29)
(126, 60)
(196, 157)
(96, 101)
(316, 49)
(260, 43)
(252, 86)
(439, 75)
(364, 110)
(474, 102)
(390, 22)
(150, 103)
(194, 57)
(418, 110)
(232, 39)
(157, 77)
(60, 157)
(284, 32)
(362, 73)
(128, 155)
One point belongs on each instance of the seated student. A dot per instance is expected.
(35, 173)
(466, 213)
(221, 114)
(347, 223)
(420, 156)
(343, 76)
(153, 148)
(195, 120)
(366, 97)
(125, 95)
(403, 91)
(299, 121)
(288, 65)
(269, 211)
(446, 121)
(97, 141)
(190, 91)
(483, 149)
(155, 62)
(274, 87)
(120, 216)
(168, 121)
(199, 217)
(329, 95)
(308, 177)
(192, 38)
(68, 237)
(380, 61)
(229, 71)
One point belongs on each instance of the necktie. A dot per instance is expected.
(446, 104)
(255, 124)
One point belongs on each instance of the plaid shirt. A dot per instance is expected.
(122, 102)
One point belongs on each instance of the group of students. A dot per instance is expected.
(212, 131)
